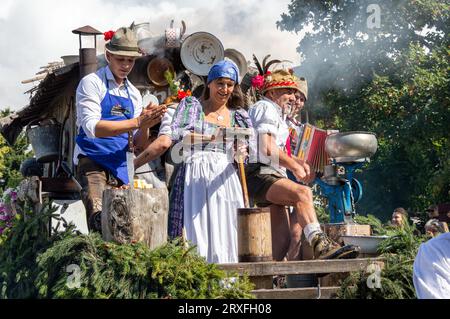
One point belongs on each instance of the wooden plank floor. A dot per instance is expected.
(300, 267)
(296, 293)
(262, 274)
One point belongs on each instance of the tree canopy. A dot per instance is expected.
(383, 68)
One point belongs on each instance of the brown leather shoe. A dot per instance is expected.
(325, 248)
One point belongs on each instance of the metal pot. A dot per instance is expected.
(156, 68)
(348, 146)
(45, 140)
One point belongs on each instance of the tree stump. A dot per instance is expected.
(135, 215)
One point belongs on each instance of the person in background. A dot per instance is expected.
(161, 140)
(399, 217)
(293, 252)
(433, 228)
(109, 108)
(157, 148)
(431, 269)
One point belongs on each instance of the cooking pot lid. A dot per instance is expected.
(200, 51)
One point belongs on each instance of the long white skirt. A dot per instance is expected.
(212, 195)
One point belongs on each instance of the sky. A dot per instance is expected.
(34, 33)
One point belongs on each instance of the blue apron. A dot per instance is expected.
(110, 152)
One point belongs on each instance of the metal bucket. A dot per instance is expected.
(45, 141)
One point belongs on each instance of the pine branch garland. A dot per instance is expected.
(34, 265)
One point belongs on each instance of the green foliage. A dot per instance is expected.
(409, 111)
(322, 214)
(396, 281)
(403, 240)
(343, 49)
(34, 265)
(11, 158)
(393, 81)
(399, 251)
(109, 270)
(18, 254)
(376, 225)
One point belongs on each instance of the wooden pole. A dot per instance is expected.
(243, 182)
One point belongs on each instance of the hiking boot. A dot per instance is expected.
(325, 248)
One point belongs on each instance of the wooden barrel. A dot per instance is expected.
(254, 235)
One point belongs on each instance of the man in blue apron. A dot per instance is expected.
(108, 107)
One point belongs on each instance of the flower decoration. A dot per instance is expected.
(108, 35)
(178, 92)
(8, 210)
(182, 94)
(258, 82)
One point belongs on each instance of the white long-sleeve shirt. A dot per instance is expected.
(166, 121)
(431, 274)
(90, 93)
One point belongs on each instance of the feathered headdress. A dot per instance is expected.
(263, 71)
(267, 80)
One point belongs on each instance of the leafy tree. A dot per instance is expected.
(392, 80)
(345, 47)
(409, 111)
(11, 158)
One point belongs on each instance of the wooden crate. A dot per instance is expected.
(335, 231)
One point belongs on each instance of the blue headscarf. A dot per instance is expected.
(224, 69)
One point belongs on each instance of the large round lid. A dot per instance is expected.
(238, 58)
(199, 52)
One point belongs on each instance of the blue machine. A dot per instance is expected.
(348, 151)
(342, 190)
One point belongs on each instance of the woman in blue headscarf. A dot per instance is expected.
(207, 192)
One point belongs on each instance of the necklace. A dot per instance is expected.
(220, 117)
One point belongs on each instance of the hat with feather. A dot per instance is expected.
(303, 86)
(277, 79)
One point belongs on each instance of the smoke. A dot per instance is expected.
(37, 32)
(375, 31)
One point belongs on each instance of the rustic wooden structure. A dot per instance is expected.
(261, 274)
(135, 215)
(335, 231)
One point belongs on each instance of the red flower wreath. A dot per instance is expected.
(108, 35)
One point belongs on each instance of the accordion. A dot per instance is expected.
(310, 147)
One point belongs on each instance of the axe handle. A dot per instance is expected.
(243, 182)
